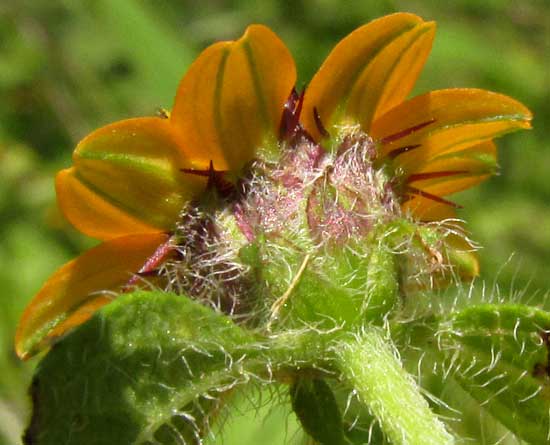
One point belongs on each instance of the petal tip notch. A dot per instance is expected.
(231, 99)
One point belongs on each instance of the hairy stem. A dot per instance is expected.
(367, 360)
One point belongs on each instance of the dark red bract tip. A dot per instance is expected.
(405, 132)
(414, 191)
(433, 175)
(290, 128)
(290, 119)
(399, 151)
(319, 123)
(216, 180)
(150, 267)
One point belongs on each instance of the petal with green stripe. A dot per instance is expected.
(73, 293)
(446, 121)
(127, 179)
(390, 77)
(452, 174)
(232, 99)
(332, 86)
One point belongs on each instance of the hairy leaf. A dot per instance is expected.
(499, 354)
(135, 372)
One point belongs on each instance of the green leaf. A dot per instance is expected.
(499, 354)
(135, 373)
(316, 408)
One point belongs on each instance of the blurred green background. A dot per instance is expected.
(68, 67)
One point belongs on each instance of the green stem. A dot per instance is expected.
(368, 362)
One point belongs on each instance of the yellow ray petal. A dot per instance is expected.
(90, 213)
(479, 158)
(427, 210)
(476, 164)
(450, 186)
(447, 121)
(485, 153)
(331, 86)
(79, 316)
(390, 77)
(126, 179)
(72, 293)
(232, 98)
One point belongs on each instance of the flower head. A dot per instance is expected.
(318, 170)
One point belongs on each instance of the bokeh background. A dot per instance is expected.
(68, 67)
